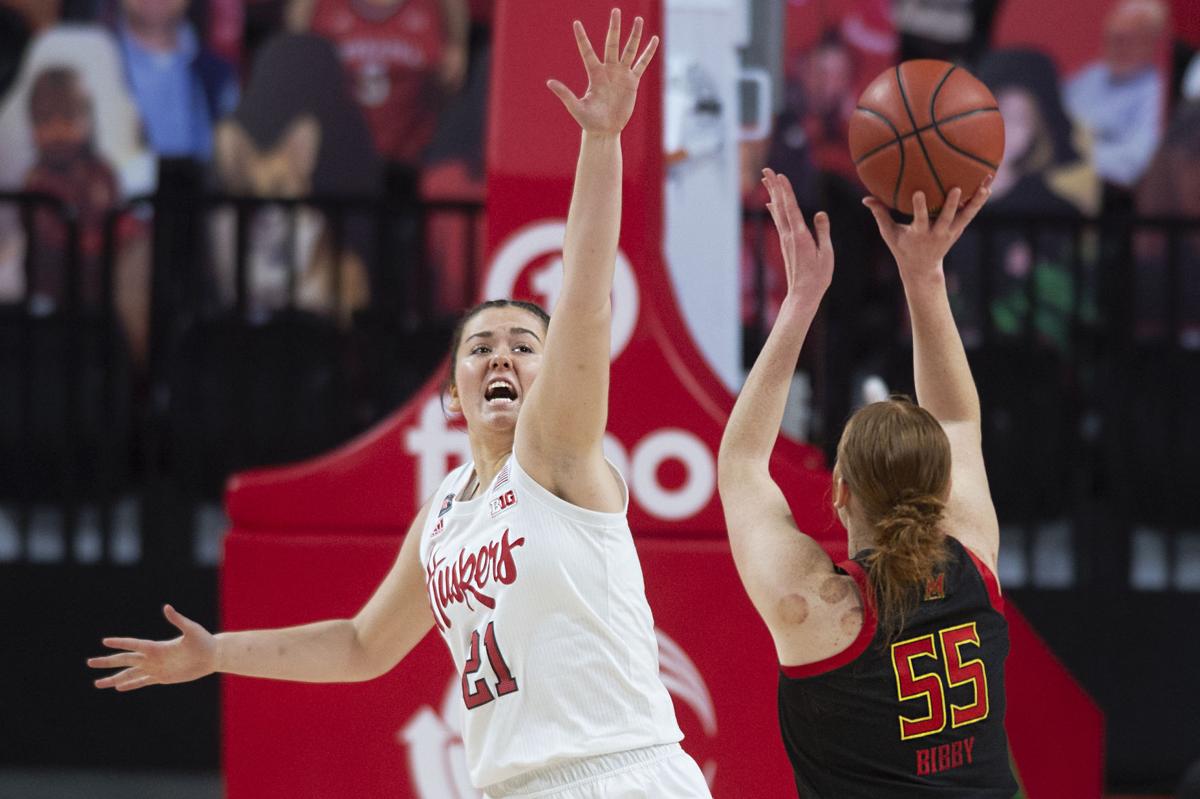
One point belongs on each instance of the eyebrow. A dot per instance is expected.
(515, 331)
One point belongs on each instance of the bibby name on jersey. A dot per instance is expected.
(468, 575)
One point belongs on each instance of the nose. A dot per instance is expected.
(502, 359)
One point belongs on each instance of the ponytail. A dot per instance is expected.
(909, 549)
(895, 459)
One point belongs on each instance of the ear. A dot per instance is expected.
(301, 143)
(454, 403)
(234, 150)
(841, 492)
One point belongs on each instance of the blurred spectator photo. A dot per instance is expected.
(1120, 97)
(1171, 187)
(69, 168)
(402, 59)
(119, 132)
(1045, 172)
(296, 133)
(182, 88)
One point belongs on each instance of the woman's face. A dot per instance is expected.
(497, 361)
(1022, 122)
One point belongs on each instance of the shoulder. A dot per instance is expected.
(832, 620)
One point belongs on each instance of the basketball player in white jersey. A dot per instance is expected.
(523, 559)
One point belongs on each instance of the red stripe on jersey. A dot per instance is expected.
(858, 645)
(989, 581)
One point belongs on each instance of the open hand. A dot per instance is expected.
(808, 263)
(920, 247)
(612, 84)
(188, 657)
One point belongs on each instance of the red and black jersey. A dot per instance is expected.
(921, 714)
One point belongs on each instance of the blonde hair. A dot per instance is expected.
(895, 459)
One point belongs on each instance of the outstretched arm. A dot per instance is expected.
(562, 425)
(943, 379)
(395, 619)
(773, 557)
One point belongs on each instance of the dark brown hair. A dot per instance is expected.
(895, 459)
(456, 338)
(56, 91)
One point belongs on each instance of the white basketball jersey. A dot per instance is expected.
(543, 607)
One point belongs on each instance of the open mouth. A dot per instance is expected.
(500, 391)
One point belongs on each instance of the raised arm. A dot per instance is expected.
(392, 622)
(943, 378)
(779, 566)
(559, 434)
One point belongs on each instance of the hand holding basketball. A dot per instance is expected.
(607, 104)
(920, 247)
(189, 657)
(808, 263)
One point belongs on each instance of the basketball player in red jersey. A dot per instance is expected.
(525, 564)
(892, 663)
(402, 57)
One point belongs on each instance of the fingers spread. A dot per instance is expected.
(585, 46)
(635, 41)
(612, 41)
(646, 57)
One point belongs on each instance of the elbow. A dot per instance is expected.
(365, 662)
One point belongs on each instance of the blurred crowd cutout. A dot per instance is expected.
(1085, 116)
(103, 102)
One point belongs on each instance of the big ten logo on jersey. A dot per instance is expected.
(670, 494)
(502, 503)
(437, 762)
(529, 264)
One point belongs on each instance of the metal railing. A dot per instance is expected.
(114, 448)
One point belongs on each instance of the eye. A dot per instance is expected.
(523, 348)
(480, 349)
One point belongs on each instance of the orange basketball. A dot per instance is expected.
(929, 126)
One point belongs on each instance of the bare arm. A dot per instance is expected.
(392, 622)
(561, 428)
(943, 378)
(778, 564)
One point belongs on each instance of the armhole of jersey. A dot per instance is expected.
(858, 645)
(557, 504)
(989, 581)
